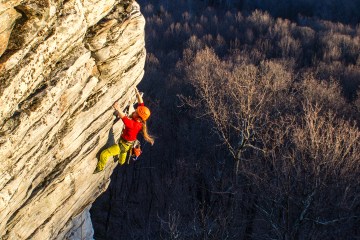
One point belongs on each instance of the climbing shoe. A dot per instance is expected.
(96, 170)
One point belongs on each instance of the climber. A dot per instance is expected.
(133, 125)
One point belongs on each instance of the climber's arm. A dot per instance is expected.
(138, 96)
(120, 114)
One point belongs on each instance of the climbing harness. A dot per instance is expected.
(134, 151)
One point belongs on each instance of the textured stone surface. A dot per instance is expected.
(65, 63)
(7, 19)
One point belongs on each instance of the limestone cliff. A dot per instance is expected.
(63, 63)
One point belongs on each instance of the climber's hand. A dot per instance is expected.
(116, 106)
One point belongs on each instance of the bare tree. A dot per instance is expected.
(287, 158)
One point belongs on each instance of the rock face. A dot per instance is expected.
(62, 65)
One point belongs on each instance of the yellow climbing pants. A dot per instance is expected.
(120, 149)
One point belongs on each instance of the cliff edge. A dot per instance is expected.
(62, 65)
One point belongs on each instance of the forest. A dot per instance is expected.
(255, 112)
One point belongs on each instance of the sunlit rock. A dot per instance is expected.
(63, 65)
(7, 19)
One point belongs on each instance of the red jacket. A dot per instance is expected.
(132, 127)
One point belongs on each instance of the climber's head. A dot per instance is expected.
(143, 112)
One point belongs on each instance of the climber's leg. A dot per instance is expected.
(124, 149)
(114, 150)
